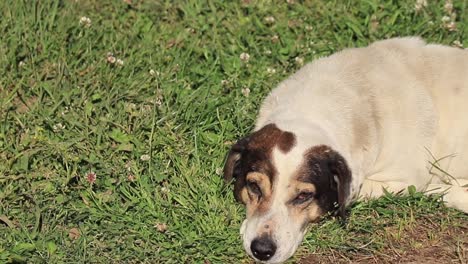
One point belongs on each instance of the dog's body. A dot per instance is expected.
(345, 127)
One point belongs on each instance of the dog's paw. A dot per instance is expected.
(457, 197)
(453, 196)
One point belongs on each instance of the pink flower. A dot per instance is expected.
(91, 177)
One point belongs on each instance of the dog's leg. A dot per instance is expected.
(373, 189)
(454, 196)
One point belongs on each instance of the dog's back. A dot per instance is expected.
(395, 105)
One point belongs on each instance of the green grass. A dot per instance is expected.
(66, 112)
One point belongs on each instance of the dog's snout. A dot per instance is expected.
(263, 248)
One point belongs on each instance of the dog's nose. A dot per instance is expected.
(263, 248)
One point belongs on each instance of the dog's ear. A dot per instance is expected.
(231, 168)
(341, 180)
(331, 175)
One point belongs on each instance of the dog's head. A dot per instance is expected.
(285, 186)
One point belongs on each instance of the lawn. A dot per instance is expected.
(116, 117)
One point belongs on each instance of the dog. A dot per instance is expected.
(352, 126)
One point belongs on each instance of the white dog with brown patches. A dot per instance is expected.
(345, 127)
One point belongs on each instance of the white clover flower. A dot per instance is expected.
(268, 52)
(420, 4)
(145, 157)
(299, 61)
(457, 43)
(119, 62)
(110, 58)
(269, 20)
(154, 73)
(85, 22)
(58, 127)
(446, 19)
(246, 91)
(158, 102)
(448, 6)
(219, 171)
(21, 64)
(271, 70)
(275, 39)
(161, 227)
(452, 26)
(245, 57)
(309, 28)
(165, 190)
(64, 112)
(224, 82)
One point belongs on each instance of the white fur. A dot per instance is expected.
(388, 109)
(287, 234)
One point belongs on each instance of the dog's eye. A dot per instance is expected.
(254, 188)
(303, 197)
(253, 168)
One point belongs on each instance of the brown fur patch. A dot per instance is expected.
(270, 136)
(253, 154)
(328, 172)
(307, 212)
(286, 142)
(263, 182)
